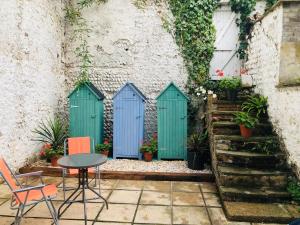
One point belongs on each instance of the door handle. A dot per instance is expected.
(138, 117)
(93, 116)
(183, 117)
(74, 106)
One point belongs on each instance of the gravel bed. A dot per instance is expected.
(131, 165)
(154, 166)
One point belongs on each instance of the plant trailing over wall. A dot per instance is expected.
(195, 34)
(244, 8)
(80, 34)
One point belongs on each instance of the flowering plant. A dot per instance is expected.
(151, 145)
(106, 146)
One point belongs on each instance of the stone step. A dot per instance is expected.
(261, 212)
(230, 176)
(224, 105)
(238, 143)
(251, 159)
(231, 128)
(253, 195)
(219, 115)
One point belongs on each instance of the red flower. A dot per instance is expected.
(243, 71)
(221, 73)
(154, 135)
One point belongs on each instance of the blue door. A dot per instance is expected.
(128, 124)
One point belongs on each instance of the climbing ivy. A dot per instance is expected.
(244, 8)
(80, 34)
(195, 34)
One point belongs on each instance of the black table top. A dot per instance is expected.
(78, 161)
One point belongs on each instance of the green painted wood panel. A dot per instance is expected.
(86, 115)
(172, 124)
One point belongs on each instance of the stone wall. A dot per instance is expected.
(264, 66)
(31, 72)
(129, 44)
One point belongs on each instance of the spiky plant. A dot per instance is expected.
(52, 131)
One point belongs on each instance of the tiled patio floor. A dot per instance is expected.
(133, 202)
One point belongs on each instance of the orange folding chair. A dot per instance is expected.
(30, 195)
(77, 145)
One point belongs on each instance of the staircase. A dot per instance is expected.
(247, 181)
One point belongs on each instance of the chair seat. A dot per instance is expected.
(36, 195)
(75, 171)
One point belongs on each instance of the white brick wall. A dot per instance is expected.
(263, 64)
(31, 73)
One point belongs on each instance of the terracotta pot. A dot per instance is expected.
(105, 153)
(245, 132)
(54, 161)
(148, 156)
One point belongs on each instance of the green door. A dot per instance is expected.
(172, 128)
(86, 116)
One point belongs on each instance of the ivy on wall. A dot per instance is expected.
(73, 15)
(244, 8)
(195, 34)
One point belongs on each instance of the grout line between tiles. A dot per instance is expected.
(138, 203)
(204, 200)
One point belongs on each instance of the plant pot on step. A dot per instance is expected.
(148, 156)
(54, 161)
(195, 160)
(245, 132)
(231, 95)
(105, 153)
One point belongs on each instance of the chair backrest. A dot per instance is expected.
(78, 145)
(6, 173)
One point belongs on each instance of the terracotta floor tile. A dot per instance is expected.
(190, 215)
(124, 196)
(6, 211)
(153, 214)
(163, 186)
(186, 186)
(155, 198)
(130, 184)
(189, 199)
(208, 187)
(218, 218)
(118, 213)
(41, 210)
(212, 199)
(5, 192)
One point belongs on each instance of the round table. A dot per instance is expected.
(82, 162)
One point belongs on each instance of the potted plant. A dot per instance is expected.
(197, 147)
(149, 148)
(104, 148)
(52, 134)
(246, 122)
(256, 105)
(231, 87)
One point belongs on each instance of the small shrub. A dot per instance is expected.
(105, 146)
(256, 105)
(245, 119)
(151, 145)
(233, 83)
(197, 141)
(294, 189)
(270, 146)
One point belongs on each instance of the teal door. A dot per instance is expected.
(86, 116)
(172, 124)
(172, 129)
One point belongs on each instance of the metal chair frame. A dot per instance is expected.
(65, 172)
(27, 189)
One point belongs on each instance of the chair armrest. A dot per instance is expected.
(37, 173)
(29, 188)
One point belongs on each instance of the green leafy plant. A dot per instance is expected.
(269, 146)
(233, 83)
(294, 189)
(197, 141)
(245, 119)
(150, 146)
(105, 146)
(53, 132)
(244, 8)
(256, 105)
(270, 3)
(195, 34)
